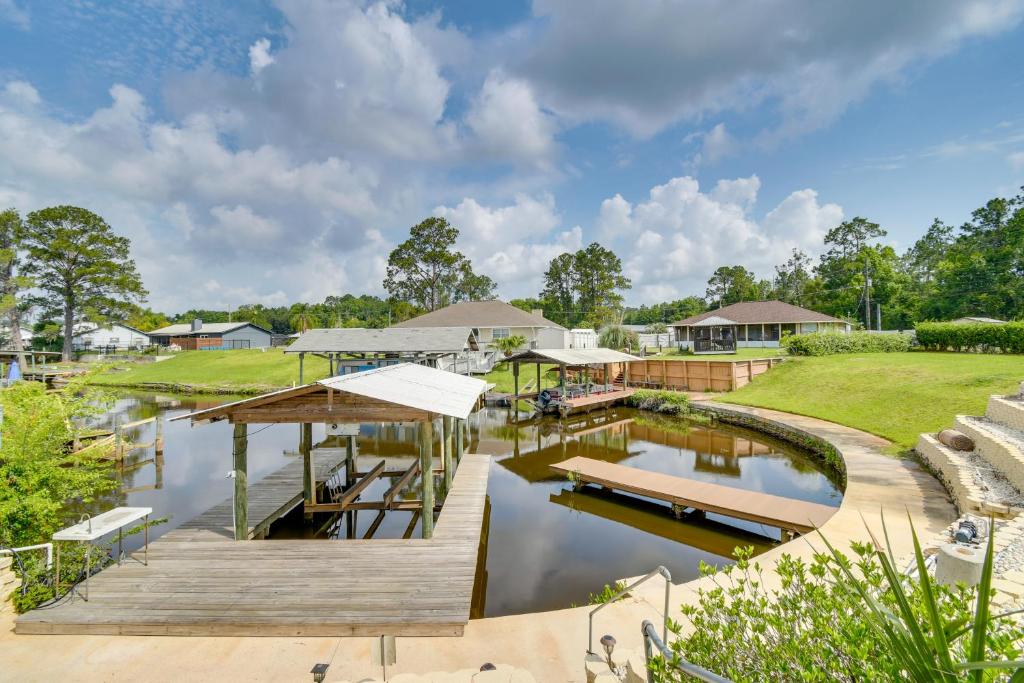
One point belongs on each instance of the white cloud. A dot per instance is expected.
(673, 241)
(650, 65)
(1016, 160)
(259, 56)
(508, 122)
(715, 145)
(513, 244)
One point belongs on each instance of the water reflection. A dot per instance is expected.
(545, 546)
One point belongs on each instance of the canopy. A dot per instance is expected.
(405, 340)
(714, 321)
(396, 393)
(573, 356)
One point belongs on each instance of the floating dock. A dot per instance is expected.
(789, 514)
(199, 583)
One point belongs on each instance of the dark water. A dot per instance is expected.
(547, 546)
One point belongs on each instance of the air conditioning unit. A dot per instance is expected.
(342, 429)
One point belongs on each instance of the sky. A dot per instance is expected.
(274, 151)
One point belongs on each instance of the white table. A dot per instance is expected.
(92, 528)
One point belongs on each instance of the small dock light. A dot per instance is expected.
(319, 672)
(608, 643)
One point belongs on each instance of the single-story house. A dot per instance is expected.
(106, 337)
(750, 324)
(198, 335)
(495, 319)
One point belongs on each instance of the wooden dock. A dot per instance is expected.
(753, 506)
(414, 587)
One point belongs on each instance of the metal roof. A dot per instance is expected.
(478, 314)
(405, 384)
(574, 356)
(206, 328)
(714, 321)
(391, 340)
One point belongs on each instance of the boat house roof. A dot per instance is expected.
(405, 392)
(478, 314)
(398, 340)
(572, 356)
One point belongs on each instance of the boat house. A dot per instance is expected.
(750, 324)
(356, 349)
(492, 320)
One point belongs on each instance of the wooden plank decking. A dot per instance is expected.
(397, 587)
(786, 513)
(606, 398)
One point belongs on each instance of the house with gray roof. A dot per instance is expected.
(750, 324)
(491, 320)
(201, 336)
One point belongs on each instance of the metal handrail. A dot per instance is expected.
(651, 641)
(657, 571)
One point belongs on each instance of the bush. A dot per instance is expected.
(659, 401)
(838, 618)
(619, 338)
(1008, 338)
(828, 343)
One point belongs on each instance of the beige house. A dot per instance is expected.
(491, 320)
(750, 324)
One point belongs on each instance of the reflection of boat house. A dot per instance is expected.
(356, 349)
(750, 324)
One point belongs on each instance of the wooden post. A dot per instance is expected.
(308, 483)
(625, 374)
(350, 460)
(561, 372)
(302, 358)
(538, 380)
(515, 391)
(426, 430)
(586, 380)
(446, 451)
(158, 442)
(239, 454)
(459, 445)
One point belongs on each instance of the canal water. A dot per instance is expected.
(547, 547)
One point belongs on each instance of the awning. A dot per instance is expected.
(573, 356)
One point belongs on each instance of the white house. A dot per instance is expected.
(111, 336)
(198, 335)
(495, 319)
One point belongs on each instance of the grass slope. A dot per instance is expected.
(894, 395)
(239, 371)
(501, 375)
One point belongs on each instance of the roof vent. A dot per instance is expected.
(197, 324)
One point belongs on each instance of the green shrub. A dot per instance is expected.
(619, 337)
(660, 401)
(829, 343)
(1008, 338)
(846, 619)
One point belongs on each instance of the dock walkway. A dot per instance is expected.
(414, 587)
(785, 513)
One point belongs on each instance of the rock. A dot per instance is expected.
(959, 563)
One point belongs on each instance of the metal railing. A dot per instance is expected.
(653, 642)
(707, 345)
(658, 571)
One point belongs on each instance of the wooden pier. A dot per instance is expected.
(788, 514)
(414, 587)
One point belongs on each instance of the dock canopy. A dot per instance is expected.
(572, 356)
(401, 341)
(406, 392)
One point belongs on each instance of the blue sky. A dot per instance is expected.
(274, 151)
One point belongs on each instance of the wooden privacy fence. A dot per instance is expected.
(688, 374)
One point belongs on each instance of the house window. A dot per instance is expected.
(500, 333)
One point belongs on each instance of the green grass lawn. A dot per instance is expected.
(503, 381)
(239, 371)
(894, 395)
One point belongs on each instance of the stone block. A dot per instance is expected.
(958, 563)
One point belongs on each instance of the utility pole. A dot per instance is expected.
(878, 316)
(867, 295)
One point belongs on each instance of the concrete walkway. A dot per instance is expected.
(550, 645)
